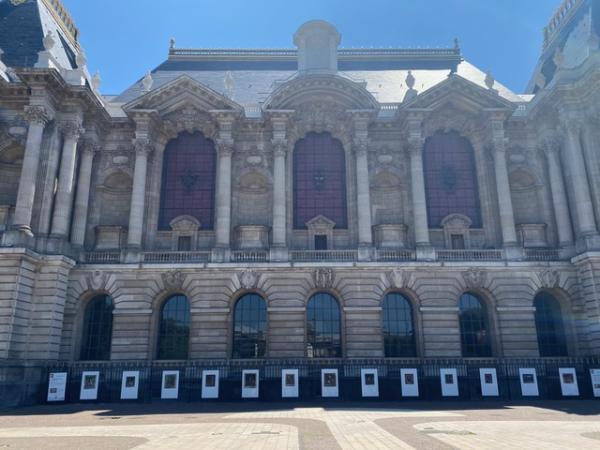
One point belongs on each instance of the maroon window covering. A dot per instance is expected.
(319, 180)
(188, 180)
(450, 178)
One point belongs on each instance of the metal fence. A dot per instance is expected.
(349, 370)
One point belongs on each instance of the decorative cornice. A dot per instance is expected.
(37, 115)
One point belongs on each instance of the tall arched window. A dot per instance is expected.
(549, 325)
(474, 327)
(450, 178)
(97, 329)
(398, 327)
(188, 180)
(250, 327)
(323, 327)
(174, 328)
(319, 180)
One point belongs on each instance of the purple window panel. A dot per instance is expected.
(319, 180)
(188, 180)
(450, 178)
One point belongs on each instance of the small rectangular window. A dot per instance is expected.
(457, 241)
(320, 242)
(184, 243)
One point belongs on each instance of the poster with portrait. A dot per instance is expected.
(57, 386)
(89, 386)
(369, 381)
(210, 384)
(289, 383)
(170, 385)
(250, 383)
(130, 385)
(409, 382)
(595, 375)
(449, 381)
(329, 383)
(529, 383)
(568, 382)
(489, 382)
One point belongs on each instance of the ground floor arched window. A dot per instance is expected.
(97, 329)
(323, 327)
(250, 327)
(474, 327)
(398, 327)
(549, 326)
(174, 328)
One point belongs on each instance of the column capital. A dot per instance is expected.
(415, 146)
(225, 147)
(38, 115)
(143, 146)
(571, 120)
(91, 146)
(550, 145)
(71, 129)
(361, 147)
(280, 147)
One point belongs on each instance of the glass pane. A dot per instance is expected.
(97, 329)
(174, 333)
(250, 327)
(319, 180)
(398, 328)
(323, 327)
(188, 180)
(474, 327)
(550, 326)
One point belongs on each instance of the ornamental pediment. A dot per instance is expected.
(183, 92)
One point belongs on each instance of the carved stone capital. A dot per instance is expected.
(550, 145)
(225, 147)
(91, 146)
(71, 129)
(280, 148)
(143, 146)
(415, 146)
(37, 115)
(571, 121)
(361, 147)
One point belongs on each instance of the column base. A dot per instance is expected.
(279, 254)
(220, 255)
(365, 252)
(567, 251)
(588, 242)
(425, 252)
(19, 237)
(133, 255)
(513, 252)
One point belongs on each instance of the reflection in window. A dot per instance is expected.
(319, 180)
(250, 327)
(188, 180)
(450, 178)
(398, 327)
(97, 329)
(174, 332)
(323, 327)
(550, 326)
(474, 328)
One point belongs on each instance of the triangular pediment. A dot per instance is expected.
(180, 93)
(321, 222)
(459, 90)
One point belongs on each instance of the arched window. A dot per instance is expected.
(250, 327)
(188, 180)
(323, 327)
(174, 328)
(319, 180)
(549, 325)
(474, 327)
(398, 327)
(450, 178)
(97, 329)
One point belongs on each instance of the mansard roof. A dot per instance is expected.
(250, 76)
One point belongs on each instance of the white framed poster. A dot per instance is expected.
(89, 385)
(449, 380)
(329, 383)
(369, 382)
(250, 383)
(595, 374)
(170, 385)
(489, 382)
(210, 384)
(130, 385)
(529, 383)
(57, 386)
(289, 383)
(568, 382)
(409, 382)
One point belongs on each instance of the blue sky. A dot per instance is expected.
(125, 38)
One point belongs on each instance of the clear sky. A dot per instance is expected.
(125, 38)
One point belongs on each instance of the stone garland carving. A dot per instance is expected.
(248, 279)
(475, 279)
(324, 278)
(549, 278)
(97, 280)
(173, 280)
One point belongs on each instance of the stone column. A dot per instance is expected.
(505, 206)
(82, 198)
(279, 207)
(143, 147)
(154, 191)
(66, 180)
(365, 235)
(587, 235)
(37, 116)
(559, 196)
(223, 204)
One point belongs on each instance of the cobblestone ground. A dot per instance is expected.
(556, 425)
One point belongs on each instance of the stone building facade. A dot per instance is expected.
(297, 203)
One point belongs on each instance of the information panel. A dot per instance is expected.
(250, 384)
(89, 386)
(57, 386)
(210, 384)
(329, 383)
(409, 382)
(130, 385)
(449, 380)
(529, 383)
(170, 385)
(289, 383)
(369, 382)
(595, 374)
(489, 382)
(568, 382)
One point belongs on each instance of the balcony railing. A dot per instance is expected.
(250, 256)
(102, 258)
(542, 254)
(470, 255)
(323, 255)
(385, 255)
(176, 257)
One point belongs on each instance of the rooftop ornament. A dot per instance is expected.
(489, 80)
(48, 41)
(81, 60)
(147, 82)
(96, 81)
(410, 82)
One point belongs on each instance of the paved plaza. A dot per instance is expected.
(549, 425)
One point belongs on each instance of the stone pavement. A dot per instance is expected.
(551, 425)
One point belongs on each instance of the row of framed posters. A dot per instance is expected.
(409, 381)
